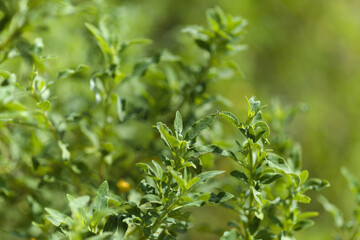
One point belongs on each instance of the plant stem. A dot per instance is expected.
(102, 163)
(251, 197)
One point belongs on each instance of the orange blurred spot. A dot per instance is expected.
(123, 186)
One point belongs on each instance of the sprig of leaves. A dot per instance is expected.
(88, 219)
(271, 189)
(171, 187)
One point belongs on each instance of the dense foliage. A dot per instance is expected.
(116, 137)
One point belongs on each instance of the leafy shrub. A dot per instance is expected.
(72, 130)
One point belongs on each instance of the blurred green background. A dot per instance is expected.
(298, 51)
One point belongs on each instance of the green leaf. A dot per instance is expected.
(286, 237)
(65, 154)
(231, 118)
(256, 194)
(192, 182)
(143, 168)
(14, 106)
(99, 38)
(203, 44)
(236, 47)
(94, 139)
(4, 74)
(103, 236)
(69, 72)
(165, 235)
(220, 197)
(194, 204)
(304, 176)
(167, 136)
(333, 210)
(199, 126)
(239, 175)
(212, 21)
(146, 188)
(177, 176)
(214, 149)
(135, 41)
(265, 234)
(315, 184)
(159, 170)
(302, 198)
(99, 215)
(251, 132)
(230, 235)
(295, 157)
(150, 198)
(253, 106)
(197, 33)
(306, 215)
(268, 178)
(208, 175)
(353, 184)
(262, 130)
(278, 162)
(101, 201)
(116, 225)
(303, 224)
(141, 68)
(167, 56)
(54, 220)
(44, 105)
(178, 125)
(77, 203)
(55, 217)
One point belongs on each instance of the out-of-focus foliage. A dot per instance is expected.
(82, 83)
(346, 229)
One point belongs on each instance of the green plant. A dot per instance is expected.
(171, 189)
(267, 204)
(70, 129)
(167, 190)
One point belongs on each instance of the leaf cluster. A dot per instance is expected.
(69, 130)
(267, 202)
